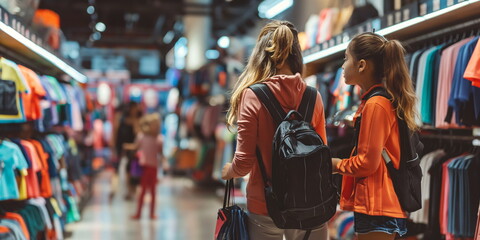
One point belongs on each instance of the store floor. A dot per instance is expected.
(183, 210)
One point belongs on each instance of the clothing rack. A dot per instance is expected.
(471, 24)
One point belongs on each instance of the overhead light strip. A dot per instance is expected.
(44, 53)
(386, 31)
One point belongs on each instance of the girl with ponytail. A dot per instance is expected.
(372, 62)
(276, 61)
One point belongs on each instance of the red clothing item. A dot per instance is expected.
(256, 128)
(367, 187)
(19, 219)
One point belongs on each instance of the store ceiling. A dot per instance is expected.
(144, 23)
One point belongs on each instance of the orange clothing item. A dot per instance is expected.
(45, 186)
(4, 229)
(33, 189)
(19, 219)
(31, 100)
(255, 127)
(472, 72)
(367, 187)
(47, 17)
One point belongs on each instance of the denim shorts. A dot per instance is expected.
(365, 224)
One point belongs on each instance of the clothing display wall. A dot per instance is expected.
(40, 169)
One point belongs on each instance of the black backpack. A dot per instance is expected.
(408, 178)
(301, 194)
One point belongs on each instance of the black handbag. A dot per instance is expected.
(231, 219)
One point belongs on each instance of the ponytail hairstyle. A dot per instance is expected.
(388, 57)
(276, 45)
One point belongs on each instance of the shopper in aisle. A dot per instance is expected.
(149, 145)
(126, 130)
(276, 61)
(371, 61)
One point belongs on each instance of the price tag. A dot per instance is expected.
(449, 3)
(423, 9)
(406, 14)
(476, 142)
(436, 5)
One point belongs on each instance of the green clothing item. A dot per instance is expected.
(427, 91)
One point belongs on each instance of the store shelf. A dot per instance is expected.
(405, 30)
(27, 52)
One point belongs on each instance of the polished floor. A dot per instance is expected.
(184, 211)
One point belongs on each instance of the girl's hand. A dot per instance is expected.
(225, 171)
(335, 162)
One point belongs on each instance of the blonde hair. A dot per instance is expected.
(276, 45)
(150, 123)
(388, 57)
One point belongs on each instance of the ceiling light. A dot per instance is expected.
(91, 10)
(223, 42)
(101, 27)
(271, 8)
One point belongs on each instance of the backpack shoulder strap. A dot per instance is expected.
(269, 101)
(307, 105)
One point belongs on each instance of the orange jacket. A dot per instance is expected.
(367, 187)
(256, 128)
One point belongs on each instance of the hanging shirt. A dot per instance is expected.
(446, 70)
(427, 91)
(11, 158)
(33, 189)
(31, 100)
(422, 65)
(472, 73)
(461, 88)
(421, 216)
(11, 73)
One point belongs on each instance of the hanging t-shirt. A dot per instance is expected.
(461, 87)
(11, 158)
(422, 65)
(472, 73)
(446, 70)
(31, 100)
(10, 72)
(33, 189)
(427, 91)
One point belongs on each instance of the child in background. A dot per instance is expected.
(149, 144)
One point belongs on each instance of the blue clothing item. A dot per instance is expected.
(11, 158)
(461, 88)
(7, 236)
(365, 224)
(14, 227)
(464, 85)
(24, 152)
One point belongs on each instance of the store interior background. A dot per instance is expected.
(181, 58)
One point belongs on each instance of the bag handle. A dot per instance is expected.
(293, 112)
(229, 188)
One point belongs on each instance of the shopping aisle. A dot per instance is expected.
(184, 212)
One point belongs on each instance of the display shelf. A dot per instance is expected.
(414, 27)
(14, 43)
